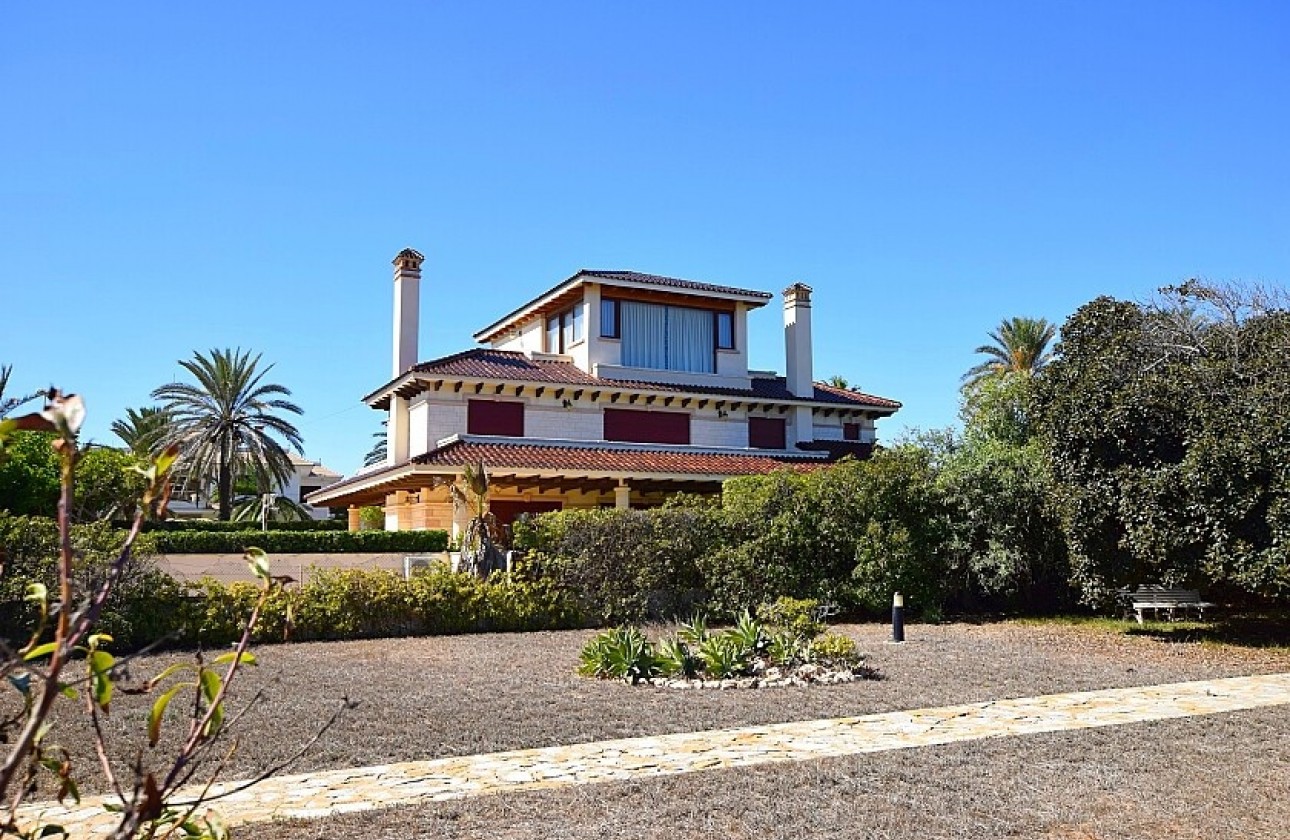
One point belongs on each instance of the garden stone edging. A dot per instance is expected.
(808, 674)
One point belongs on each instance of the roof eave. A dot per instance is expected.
(754, 300)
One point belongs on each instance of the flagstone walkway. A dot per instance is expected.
(319, 794)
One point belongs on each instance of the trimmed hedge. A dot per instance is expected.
(299, 542)
(368, 603)
(185, 525)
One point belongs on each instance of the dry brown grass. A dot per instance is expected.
(432, 697)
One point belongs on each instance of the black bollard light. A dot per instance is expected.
(898, 618)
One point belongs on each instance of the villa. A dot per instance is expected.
(611, 389)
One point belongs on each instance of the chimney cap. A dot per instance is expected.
(798, 291)
(408, 258)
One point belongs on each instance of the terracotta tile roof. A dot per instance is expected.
(525, 456)
(508, 365)
(669, 282)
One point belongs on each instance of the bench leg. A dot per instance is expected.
(1137, 613)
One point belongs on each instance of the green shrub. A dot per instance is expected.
(627, 565)
(376, 603)
(834, 650)
(514, 604)
(299, 542)
(447, 602)
(355, 604)
(143, 606)
(794, 616)
(216, 525)
(371, 518)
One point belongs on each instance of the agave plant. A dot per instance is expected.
(622, 653)
(675, 660)
(748, 636)
(693, 632)
(722, 657)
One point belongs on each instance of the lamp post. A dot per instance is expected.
(265, 502)
(898, 618)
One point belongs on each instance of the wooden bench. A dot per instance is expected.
(1173, 602)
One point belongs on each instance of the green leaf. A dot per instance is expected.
(53, 830)
(163, 462)
(171, 670)
(42, 650)
(156, 713)
(67, 691)
(101, 663)
(36, 592)
(245, 658)
(258, 561)
(210, 684)
(98, 639)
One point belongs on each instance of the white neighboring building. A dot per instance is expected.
(307, 477)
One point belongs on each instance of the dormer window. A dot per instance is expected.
(564, 329)
(663, 337)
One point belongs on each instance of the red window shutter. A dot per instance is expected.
(492, 417)
(626, 425)
(850, 431)
(767, 433)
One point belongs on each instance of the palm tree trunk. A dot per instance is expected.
(225, 482)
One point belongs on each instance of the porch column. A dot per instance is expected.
(355, 521)
(622, 496)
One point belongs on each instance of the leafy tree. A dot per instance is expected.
(108, 483)
(998, 486)
(1019, 345)
(1168, 431)
(839, 382)
(142, 430)
(229, 423)
(29, 475)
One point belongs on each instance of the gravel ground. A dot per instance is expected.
(433, 697)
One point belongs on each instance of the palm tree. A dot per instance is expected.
(480, 554)
(226, 423)
(142, 430)
(377, 454)
(1020, 345)
(8, 404)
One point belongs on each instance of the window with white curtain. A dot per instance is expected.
(667, 337)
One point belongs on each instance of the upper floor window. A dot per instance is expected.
(767, 433)
(665, 337)
(495, 417)
(725, 330)
(564, 329)
(610, 326)
(625, 424)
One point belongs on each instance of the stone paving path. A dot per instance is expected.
(319, 794)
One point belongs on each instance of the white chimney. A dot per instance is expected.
(797, 340)
(407, 309)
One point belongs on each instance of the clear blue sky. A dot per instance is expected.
(175, 178)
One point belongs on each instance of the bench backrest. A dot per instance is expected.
(1160, 595)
